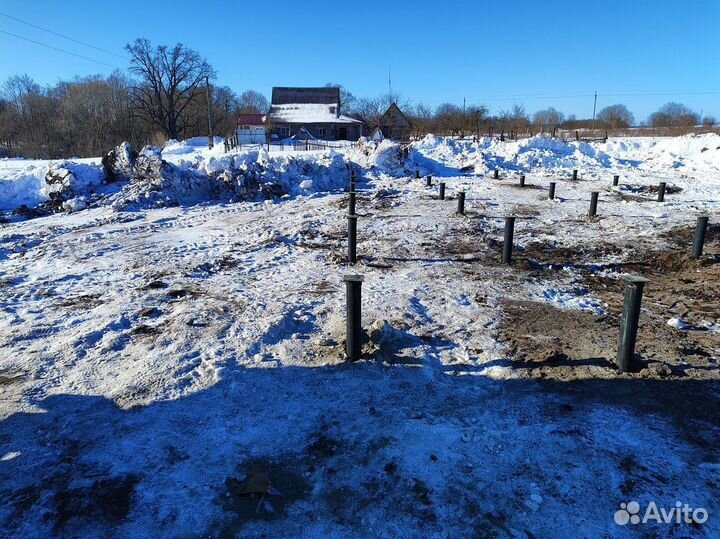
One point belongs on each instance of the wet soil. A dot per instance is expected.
(546, 341)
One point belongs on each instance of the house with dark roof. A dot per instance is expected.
(394, 124)
(251, 129)
(310, 112)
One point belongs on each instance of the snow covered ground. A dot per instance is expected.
(173, 346)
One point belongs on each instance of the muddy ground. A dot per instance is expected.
(547, 342)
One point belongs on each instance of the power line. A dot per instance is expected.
(59, 49)
(575, 96)
(61, 35)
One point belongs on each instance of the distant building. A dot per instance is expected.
(310, 111)
(394, 124)
(251, 129)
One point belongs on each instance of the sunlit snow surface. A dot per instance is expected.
(169, 348)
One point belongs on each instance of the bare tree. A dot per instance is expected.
(252, 102)
(169, 80)
(547, 118)
(448, 119)
(674, 115)
(474, 117)
(421, 118)
(347, 99)
(225, 108)
(616, 116)
(22, 93)
(520, 118)
(368, 110)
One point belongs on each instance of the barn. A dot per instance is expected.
(316, 111)
(394, 124)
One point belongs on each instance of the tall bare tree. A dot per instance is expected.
(169, 80)
(253, 102)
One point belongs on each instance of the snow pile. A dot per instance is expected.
(161, 177)
(157, 183)
(302, 175)
(692, 153)
(445, 156)
(240, 176)
(385, 156)
(281, 174)
(187, 172)
(22, 187)
(68, 184)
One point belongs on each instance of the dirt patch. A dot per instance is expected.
(670, 189)
(385, 198)
(527, 186)
(545, 255)
(541, 338)
(264, 490)
(84, 301)
(180, 293)
(108, 499)
(155, 285)
(631, 198)
(683, 235)
(11, 376)
(678, 334)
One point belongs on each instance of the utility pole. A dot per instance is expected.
(594, 107)
(211, 142)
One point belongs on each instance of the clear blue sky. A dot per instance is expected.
(539, 52)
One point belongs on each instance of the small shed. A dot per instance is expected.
(394, 124)
(251, 129)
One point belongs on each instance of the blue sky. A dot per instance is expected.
(539, 53)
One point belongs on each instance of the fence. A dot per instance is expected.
(289, 145)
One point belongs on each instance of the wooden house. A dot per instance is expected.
(394, 124)
(316, 111)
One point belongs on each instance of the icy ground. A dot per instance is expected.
(152, 360)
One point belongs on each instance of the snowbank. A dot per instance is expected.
(245, 175)
(192, 173)
(385, 156)
(181, 173)
(188, 146)
(445, 156)
(69, 179)
(22, 187)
